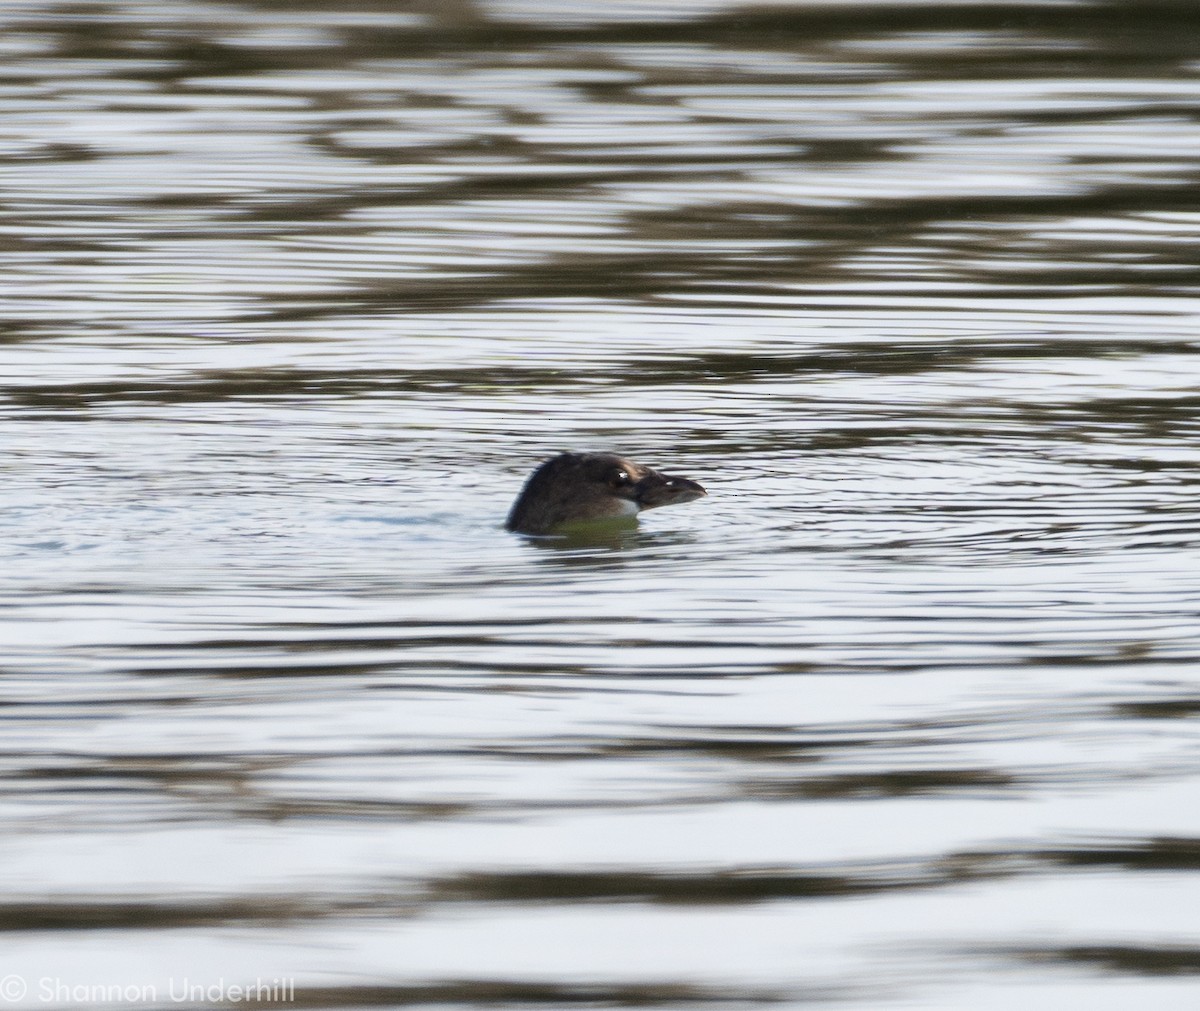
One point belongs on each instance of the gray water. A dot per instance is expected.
(904, 714)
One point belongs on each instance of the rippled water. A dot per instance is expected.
(903, 715)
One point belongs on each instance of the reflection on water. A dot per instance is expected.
(294, 297)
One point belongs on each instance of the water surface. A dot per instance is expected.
(902, 715)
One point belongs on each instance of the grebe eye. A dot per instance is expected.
(619, 479)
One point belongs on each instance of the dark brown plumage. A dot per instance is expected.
(573, 489)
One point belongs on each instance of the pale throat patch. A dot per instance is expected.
(628, 508)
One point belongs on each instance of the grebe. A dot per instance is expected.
(574, 489)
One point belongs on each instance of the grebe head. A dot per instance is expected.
(574, 489)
